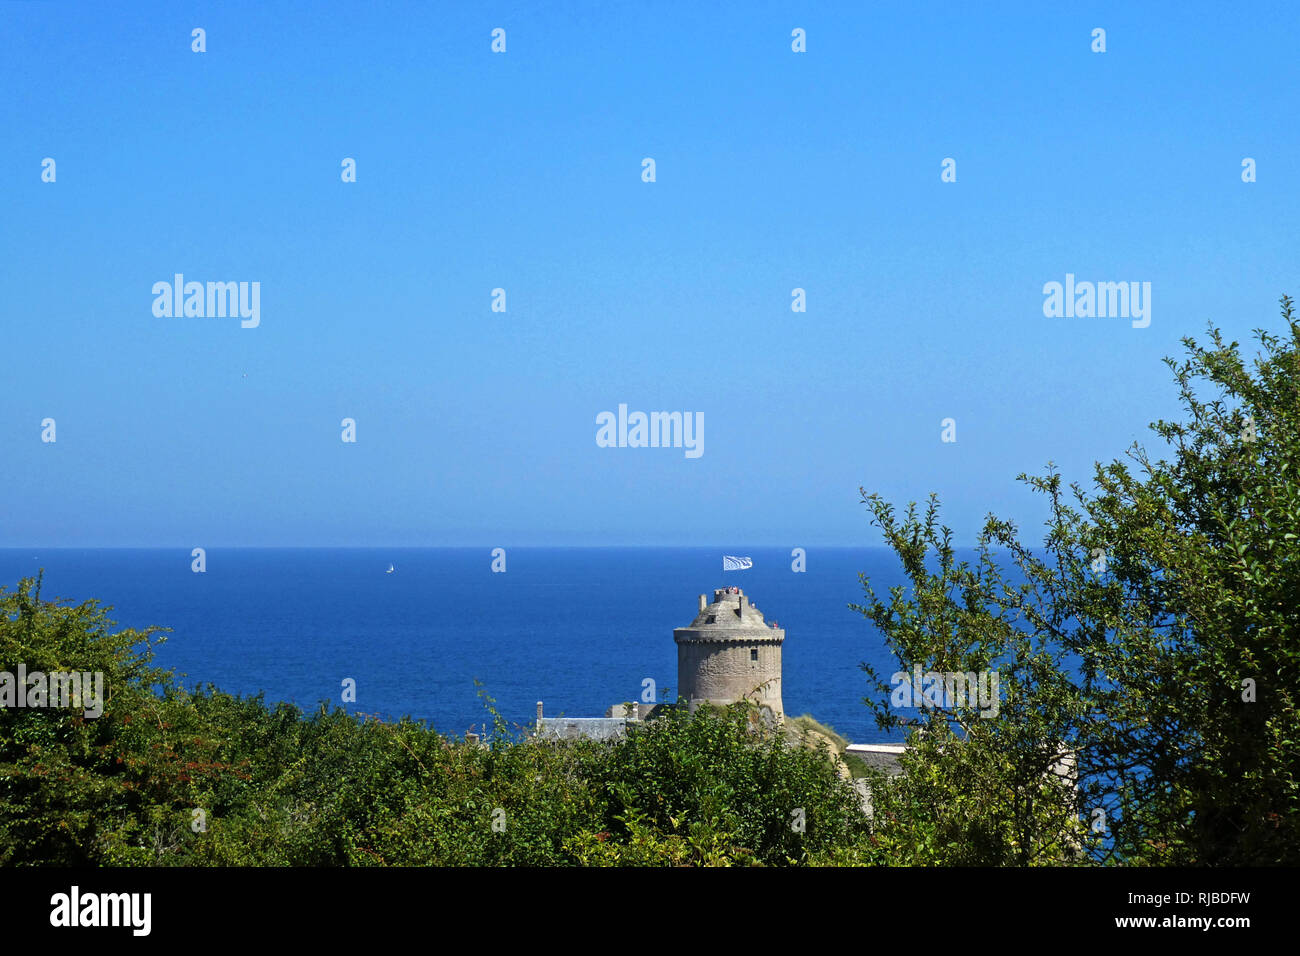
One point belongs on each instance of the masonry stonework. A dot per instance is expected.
(730, 653)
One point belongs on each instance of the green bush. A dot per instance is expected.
(276, 787)
(1154, 636)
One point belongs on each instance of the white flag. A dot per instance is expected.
(735, 564)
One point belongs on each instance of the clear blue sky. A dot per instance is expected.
(475, 170)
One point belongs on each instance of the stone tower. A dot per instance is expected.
(729, 653)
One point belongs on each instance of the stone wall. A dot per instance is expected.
(724, 672)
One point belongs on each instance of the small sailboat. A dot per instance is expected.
(391, 569)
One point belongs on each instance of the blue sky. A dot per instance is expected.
(522, 171)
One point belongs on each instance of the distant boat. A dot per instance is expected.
(390, 570)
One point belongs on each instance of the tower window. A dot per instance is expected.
(753, 654)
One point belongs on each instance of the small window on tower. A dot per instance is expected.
(753, 654)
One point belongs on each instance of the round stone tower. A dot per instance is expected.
(730, 653)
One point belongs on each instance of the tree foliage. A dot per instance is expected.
(1152, 640)
(276, 787)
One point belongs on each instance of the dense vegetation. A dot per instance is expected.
(278, 788)
(1153, 638)
(1148, 653)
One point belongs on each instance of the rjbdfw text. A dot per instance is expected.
(82, 691)
(948, 690)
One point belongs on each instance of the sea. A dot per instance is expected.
(579, 629)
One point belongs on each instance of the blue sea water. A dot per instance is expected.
(577, 628)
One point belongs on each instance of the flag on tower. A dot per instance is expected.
(730, 563)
